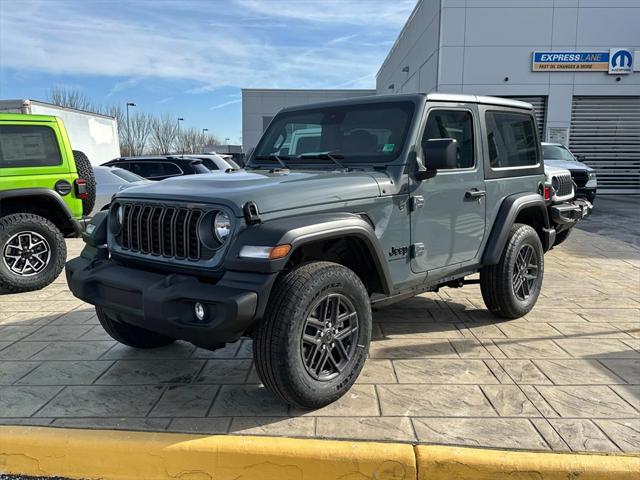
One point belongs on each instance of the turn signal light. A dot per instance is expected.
(279, 251)
(81, 188)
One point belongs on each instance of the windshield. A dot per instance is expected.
(126, 175)
(371, 133)
(556, 152)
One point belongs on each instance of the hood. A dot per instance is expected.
(568, 165)
(270, 191)
(550, 170)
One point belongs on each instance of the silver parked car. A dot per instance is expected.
(109, 181)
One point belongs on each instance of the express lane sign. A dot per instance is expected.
(570, 61)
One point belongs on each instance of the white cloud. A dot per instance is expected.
(225, 104)
(146, 40)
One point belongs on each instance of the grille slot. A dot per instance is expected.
(161, 231)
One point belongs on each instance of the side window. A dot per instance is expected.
(456, 124)
(28, 146)
(171, 169)
(147, 169)
(512, 140)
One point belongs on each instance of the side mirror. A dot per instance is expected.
(441, 153)
(581, 158)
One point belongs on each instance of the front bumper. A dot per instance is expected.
(165, 303)
(565, 215)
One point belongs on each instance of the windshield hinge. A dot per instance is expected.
(251, 214)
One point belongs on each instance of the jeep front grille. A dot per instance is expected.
(161, 230)
(565, 185)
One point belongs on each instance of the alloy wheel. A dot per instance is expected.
(329, 337)
(26, 254)
(525, 272)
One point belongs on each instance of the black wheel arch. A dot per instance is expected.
(527, 208)
(316, 237)
(43, 202)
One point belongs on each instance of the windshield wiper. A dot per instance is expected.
(278, 158)
(335, 157)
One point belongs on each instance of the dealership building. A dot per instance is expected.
(576, 61)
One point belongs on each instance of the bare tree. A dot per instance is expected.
(138, 136)
(164, 132)
(72, 98)
(188, 140)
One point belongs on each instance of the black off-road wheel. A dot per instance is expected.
(562, 236)
(511, 288)
(313, 341)
(32, 252)
(85, 171)
(130, 335)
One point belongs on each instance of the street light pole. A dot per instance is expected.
(204, 139)
(129, 104)
(180, 119)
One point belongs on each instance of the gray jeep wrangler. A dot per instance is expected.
(343, 206)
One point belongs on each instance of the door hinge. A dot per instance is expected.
(417, 250)
(417, 201)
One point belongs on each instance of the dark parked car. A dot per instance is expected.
(160, 167)
(557, 155)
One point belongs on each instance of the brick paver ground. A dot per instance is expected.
(441, 369)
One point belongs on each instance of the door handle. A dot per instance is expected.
(474, 194)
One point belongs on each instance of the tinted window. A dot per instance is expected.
(210, 164)
(367, 132)
(154, 169)
(454, 124)
(198, 167)
(28, 146)
(512, 140)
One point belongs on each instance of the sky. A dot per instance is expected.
(190, 58)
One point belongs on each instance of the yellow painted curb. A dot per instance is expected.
(448, 463)
(109, 455)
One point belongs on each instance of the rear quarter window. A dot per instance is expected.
(511, 139)
(28, 146)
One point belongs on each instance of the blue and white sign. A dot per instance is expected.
(620, 61)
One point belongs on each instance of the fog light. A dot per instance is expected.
(199, 310)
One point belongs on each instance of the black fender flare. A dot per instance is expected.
(300, 230)
(509, 209)
(55, 200)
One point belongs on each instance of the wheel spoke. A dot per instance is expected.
(322, 361)
(345, 333)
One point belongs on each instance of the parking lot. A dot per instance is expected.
(441, 369)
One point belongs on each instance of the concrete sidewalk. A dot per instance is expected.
(441, 369)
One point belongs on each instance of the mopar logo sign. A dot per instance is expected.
(620, 61)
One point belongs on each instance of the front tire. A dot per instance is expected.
(131, 335)
(314, 338)
(511, 288)
(32, 252)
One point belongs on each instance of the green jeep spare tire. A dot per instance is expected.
(85, 172)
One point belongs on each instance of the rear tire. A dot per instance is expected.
(511, 288)
(32, 252)
(131, 335)
(313, 340)
(85, 171)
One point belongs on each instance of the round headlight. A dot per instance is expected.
(222, 226)
(555, 183)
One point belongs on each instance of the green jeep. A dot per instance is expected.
(46, 189)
